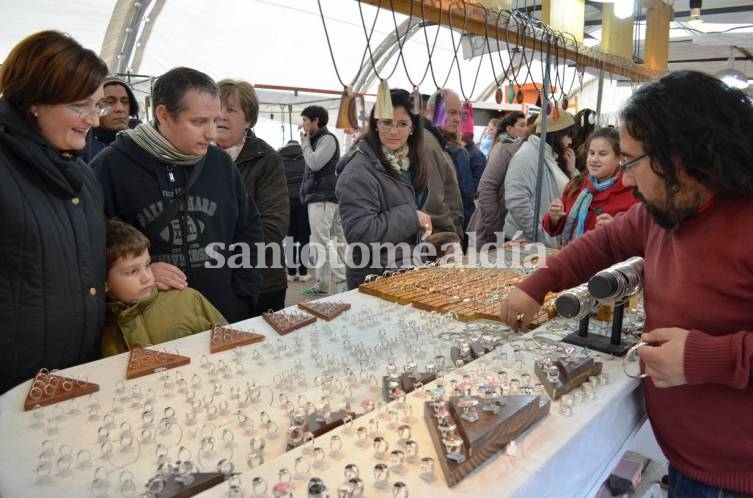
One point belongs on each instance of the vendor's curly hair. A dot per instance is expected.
(700, 121)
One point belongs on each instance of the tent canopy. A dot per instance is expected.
(282, 43)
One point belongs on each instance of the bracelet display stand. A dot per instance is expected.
(285, 323)
(571, 372)
(323, 309)
(146, 361)
(613, 344)
(224, 337)
(59, 392)
(481, 439)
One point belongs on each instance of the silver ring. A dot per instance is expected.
(629, 357)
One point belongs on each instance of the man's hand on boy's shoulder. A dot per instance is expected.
(167, 276)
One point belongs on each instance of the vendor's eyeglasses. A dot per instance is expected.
(626, 166)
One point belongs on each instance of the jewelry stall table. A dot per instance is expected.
(229, 412)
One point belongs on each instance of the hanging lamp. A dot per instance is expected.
(732, 77)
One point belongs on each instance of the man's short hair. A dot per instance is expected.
(170, 88)
(123, 240)
(316, 112)
(711, 137)
(509, 120)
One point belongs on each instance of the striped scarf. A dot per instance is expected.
(398, 159)
(149, 138)
(575, 226)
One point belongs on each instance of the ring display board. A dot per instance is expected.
(224, 337)
(230, 410)
(47, 389)
(469, 293)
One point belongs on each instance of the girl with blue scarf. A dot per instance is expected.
(595, 196)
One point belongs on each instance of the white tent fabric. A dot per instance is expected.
(273, 42)
(277, 42)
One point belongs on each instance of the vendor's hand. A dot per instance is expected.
(167, 276)
(424, 223)
(519, 309)
(569, 156)
(604, 219)
(664, 356)
(556, 211)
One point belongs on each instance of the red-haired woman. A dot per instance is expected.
(53, 229)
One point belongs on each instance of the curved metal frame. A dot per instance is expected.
(127, 34)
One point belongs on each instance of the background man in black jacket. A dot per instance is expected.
(123, 113)
(186, 195)
(292, 160)
(321, 152)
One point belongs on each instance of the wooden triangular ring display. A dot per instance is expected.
(326, 310)
(224, 337)
(285, 323)
(479, 438)
(147, 361)
(48, 389)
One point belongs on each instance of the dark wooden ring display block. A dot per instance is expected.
(202, 481)
(48, 389)
(319, 425)
(147, 361)
(488, 435)
(285, 323)
(324, 309)
(406, 382)
(572, 372)
(224, 337)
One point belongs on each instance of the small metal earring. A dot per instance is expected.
(36, 115)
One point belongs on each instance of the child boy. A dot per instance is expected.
(137, 313)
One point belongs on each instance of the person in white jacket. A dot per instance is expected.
(520, 182)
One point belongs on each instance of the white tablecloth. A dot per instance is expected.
(560, 456)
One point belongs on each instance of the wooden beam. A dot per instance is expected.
(616, 33)
(566, 16)
(658, 15)
(477, 22)
(496, 4)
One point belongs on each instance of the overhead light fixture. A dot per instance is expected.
(732, 77)
(695, 13)
(602, 1)
(623, 8)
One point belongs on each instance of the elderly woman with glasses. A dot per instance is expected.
(53, 251)
(381, 188)
(263, 174)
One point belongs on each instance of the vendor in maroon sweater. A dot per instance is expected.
(595, 196)
(687, 150)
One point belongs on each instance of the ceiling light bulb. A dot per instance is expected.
(732, 77)
(623, 8)
(695, 17)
